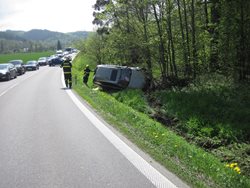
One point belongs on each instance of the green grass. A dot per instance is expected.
(216, 103)
(134, 98)
(209, 109)
(214, 113)
(194, 165)
(4, 58)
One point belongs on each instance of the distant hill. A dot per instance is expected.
(38, 34)
(10, 36)
(37, 39)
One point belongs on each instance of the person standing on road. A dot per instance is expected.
(67, 65)
(86, 75)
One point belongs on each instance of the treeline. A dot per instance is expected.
(174, 39)
(15, 46)
(37, 40)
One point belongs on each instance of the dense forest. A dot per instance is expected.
(37, 40)
(196, 54)
(175, 40)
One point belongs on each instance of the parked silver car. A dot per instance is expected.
(19, 66)
(119, 77)
(7, 71)
(42, 61)
(32, 65)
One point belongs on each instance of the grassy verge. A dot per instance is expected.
(4, 58)
(213, 114)
(194, 165)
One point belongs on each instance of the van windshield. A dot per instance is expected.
(113, 75)
(125, 77)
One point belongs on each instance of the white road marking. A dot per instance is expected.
(8, 89)
(14, 85)
(142, 165)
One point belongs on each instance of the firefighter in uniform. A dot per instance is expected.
(67, 65)
(86, 75)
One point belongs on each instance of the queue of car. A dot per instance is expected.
(17, 67)
(59, 56)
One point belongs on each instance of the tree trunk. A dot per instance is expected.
(242, 48)
(161, 46)
(206, 14)
(214, 35)
(184, 46)
(143, 17)
(171, 42)
(187, 38)
(194, 47)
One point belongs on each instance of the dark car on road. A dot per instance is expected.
(55, 61)
(7, 71)
(19, 66)
(32, 65)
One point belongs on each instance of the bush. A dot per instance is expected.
(134, 98)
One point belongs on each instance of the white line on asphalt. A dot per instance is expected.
(14, 85)
(8, 89)
(142, 165)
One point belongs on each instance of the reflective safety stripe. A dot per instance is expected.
(67, 72)
(66, 66)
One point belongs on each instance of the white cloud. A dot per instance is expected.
(55, 15)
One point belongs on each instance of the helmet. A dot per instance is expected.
(87, 66)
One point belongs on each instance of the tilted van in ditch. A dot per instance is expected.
(119, 77)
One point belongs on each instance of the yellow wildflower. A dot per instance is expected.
(232, 165)
(237, 169)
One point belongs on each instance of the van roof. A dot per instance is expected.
(111, 66)
(117, 66)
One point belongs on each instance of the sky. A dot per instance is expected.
(54, 15)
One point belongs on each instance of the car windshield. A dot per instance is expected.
(16, 62)
(30, 63)
(42, 59)
(3, 66)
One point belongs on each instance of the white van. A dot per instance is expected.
(119, 77)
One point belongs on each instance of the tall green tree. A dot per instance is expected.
(176, 38)
(1, 47)
(58, 46)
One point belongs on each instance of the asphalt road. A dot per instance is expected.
(47, 142)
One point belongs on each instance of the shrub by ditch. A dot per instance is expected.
(214, 114)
